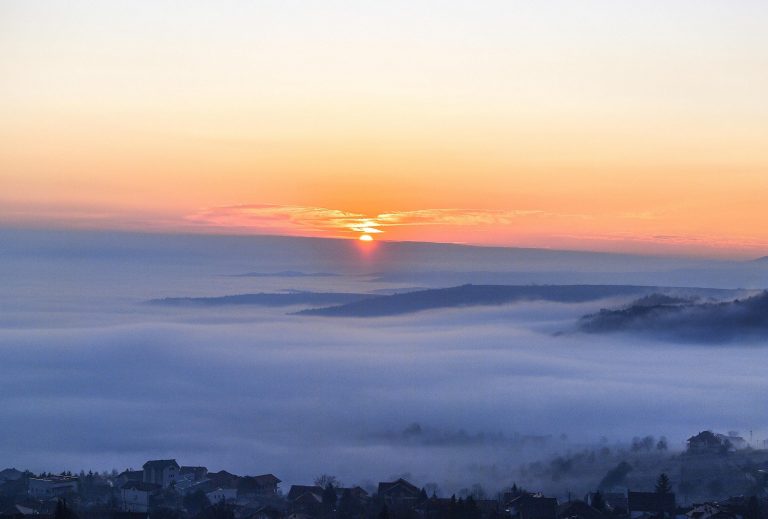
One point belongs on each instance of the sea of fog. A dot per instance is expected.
(94, 377)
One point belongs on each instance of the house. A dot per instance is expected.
(655, 503)
(351, 501)
(532, 506)
(709, 442)
(489, 508)
(736, 441)
(741, 506)
(191, 479)
(161, 472)
(308, 498)
(436, 507)
(226, 495)
(440, 508)
(194, 474)
(39, 507)
(615, 502)
(135, 496)
(223, 479)
(578, 509)
(305, 498)
(263, 485)
(52, 486)
(356, 493)
(298, 491)
(261, 512)
(99, 492)
(705, 441)
(128, 475)
(308, 502)
(710, 511)
(167, 498)
(399, 493)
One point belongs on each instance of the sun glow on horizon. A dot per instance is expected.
(589, 126)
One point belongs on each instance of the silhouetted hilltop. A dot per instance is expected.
(286, 274)
(267, 299)
(657, 299)
(475, 295)
(687, 320)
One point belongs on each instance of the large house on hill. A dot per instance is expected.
(399, 493)
(263, 485)
(532, 506)
(161, 472)
(710, 442)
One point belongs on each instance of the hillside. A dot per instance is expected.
(477, 295)
(739, 319)
(267, 299)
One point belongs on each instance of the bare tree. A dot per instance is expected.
(323, 480)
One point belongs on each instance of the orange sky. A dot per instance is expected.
(603, 125)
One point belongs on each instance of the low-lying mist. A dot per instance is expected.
(93, 377)
(300, 396)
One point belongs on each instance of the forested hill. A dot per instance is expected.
(740, 319)
(479, 295)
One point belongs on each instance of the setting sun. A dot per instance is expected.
(366, 237)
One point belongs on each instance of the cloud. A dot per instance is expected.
(279, 219)
(642, 242)
(461, 217)
(521, 227)
(286, 219)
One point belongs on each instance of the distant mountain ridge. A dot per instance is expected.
(487, 295)
(267, 299)
(286, 274)
(314, 254)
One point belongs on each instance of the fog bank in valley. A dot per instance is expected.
(93, 377)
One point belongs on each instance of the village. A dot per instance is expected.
(164, 489)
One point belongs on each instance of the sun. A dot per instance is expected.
(365, 237)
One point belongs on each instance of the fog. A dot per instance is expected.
(92, 376)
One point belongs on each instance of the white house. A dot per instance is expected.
(222, 494)
(161, 472)
(52, 486)
(135, 495)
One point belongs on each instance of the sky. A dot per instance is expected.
(610, 125)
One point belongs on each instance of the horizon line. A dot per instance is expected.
(234, 233)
